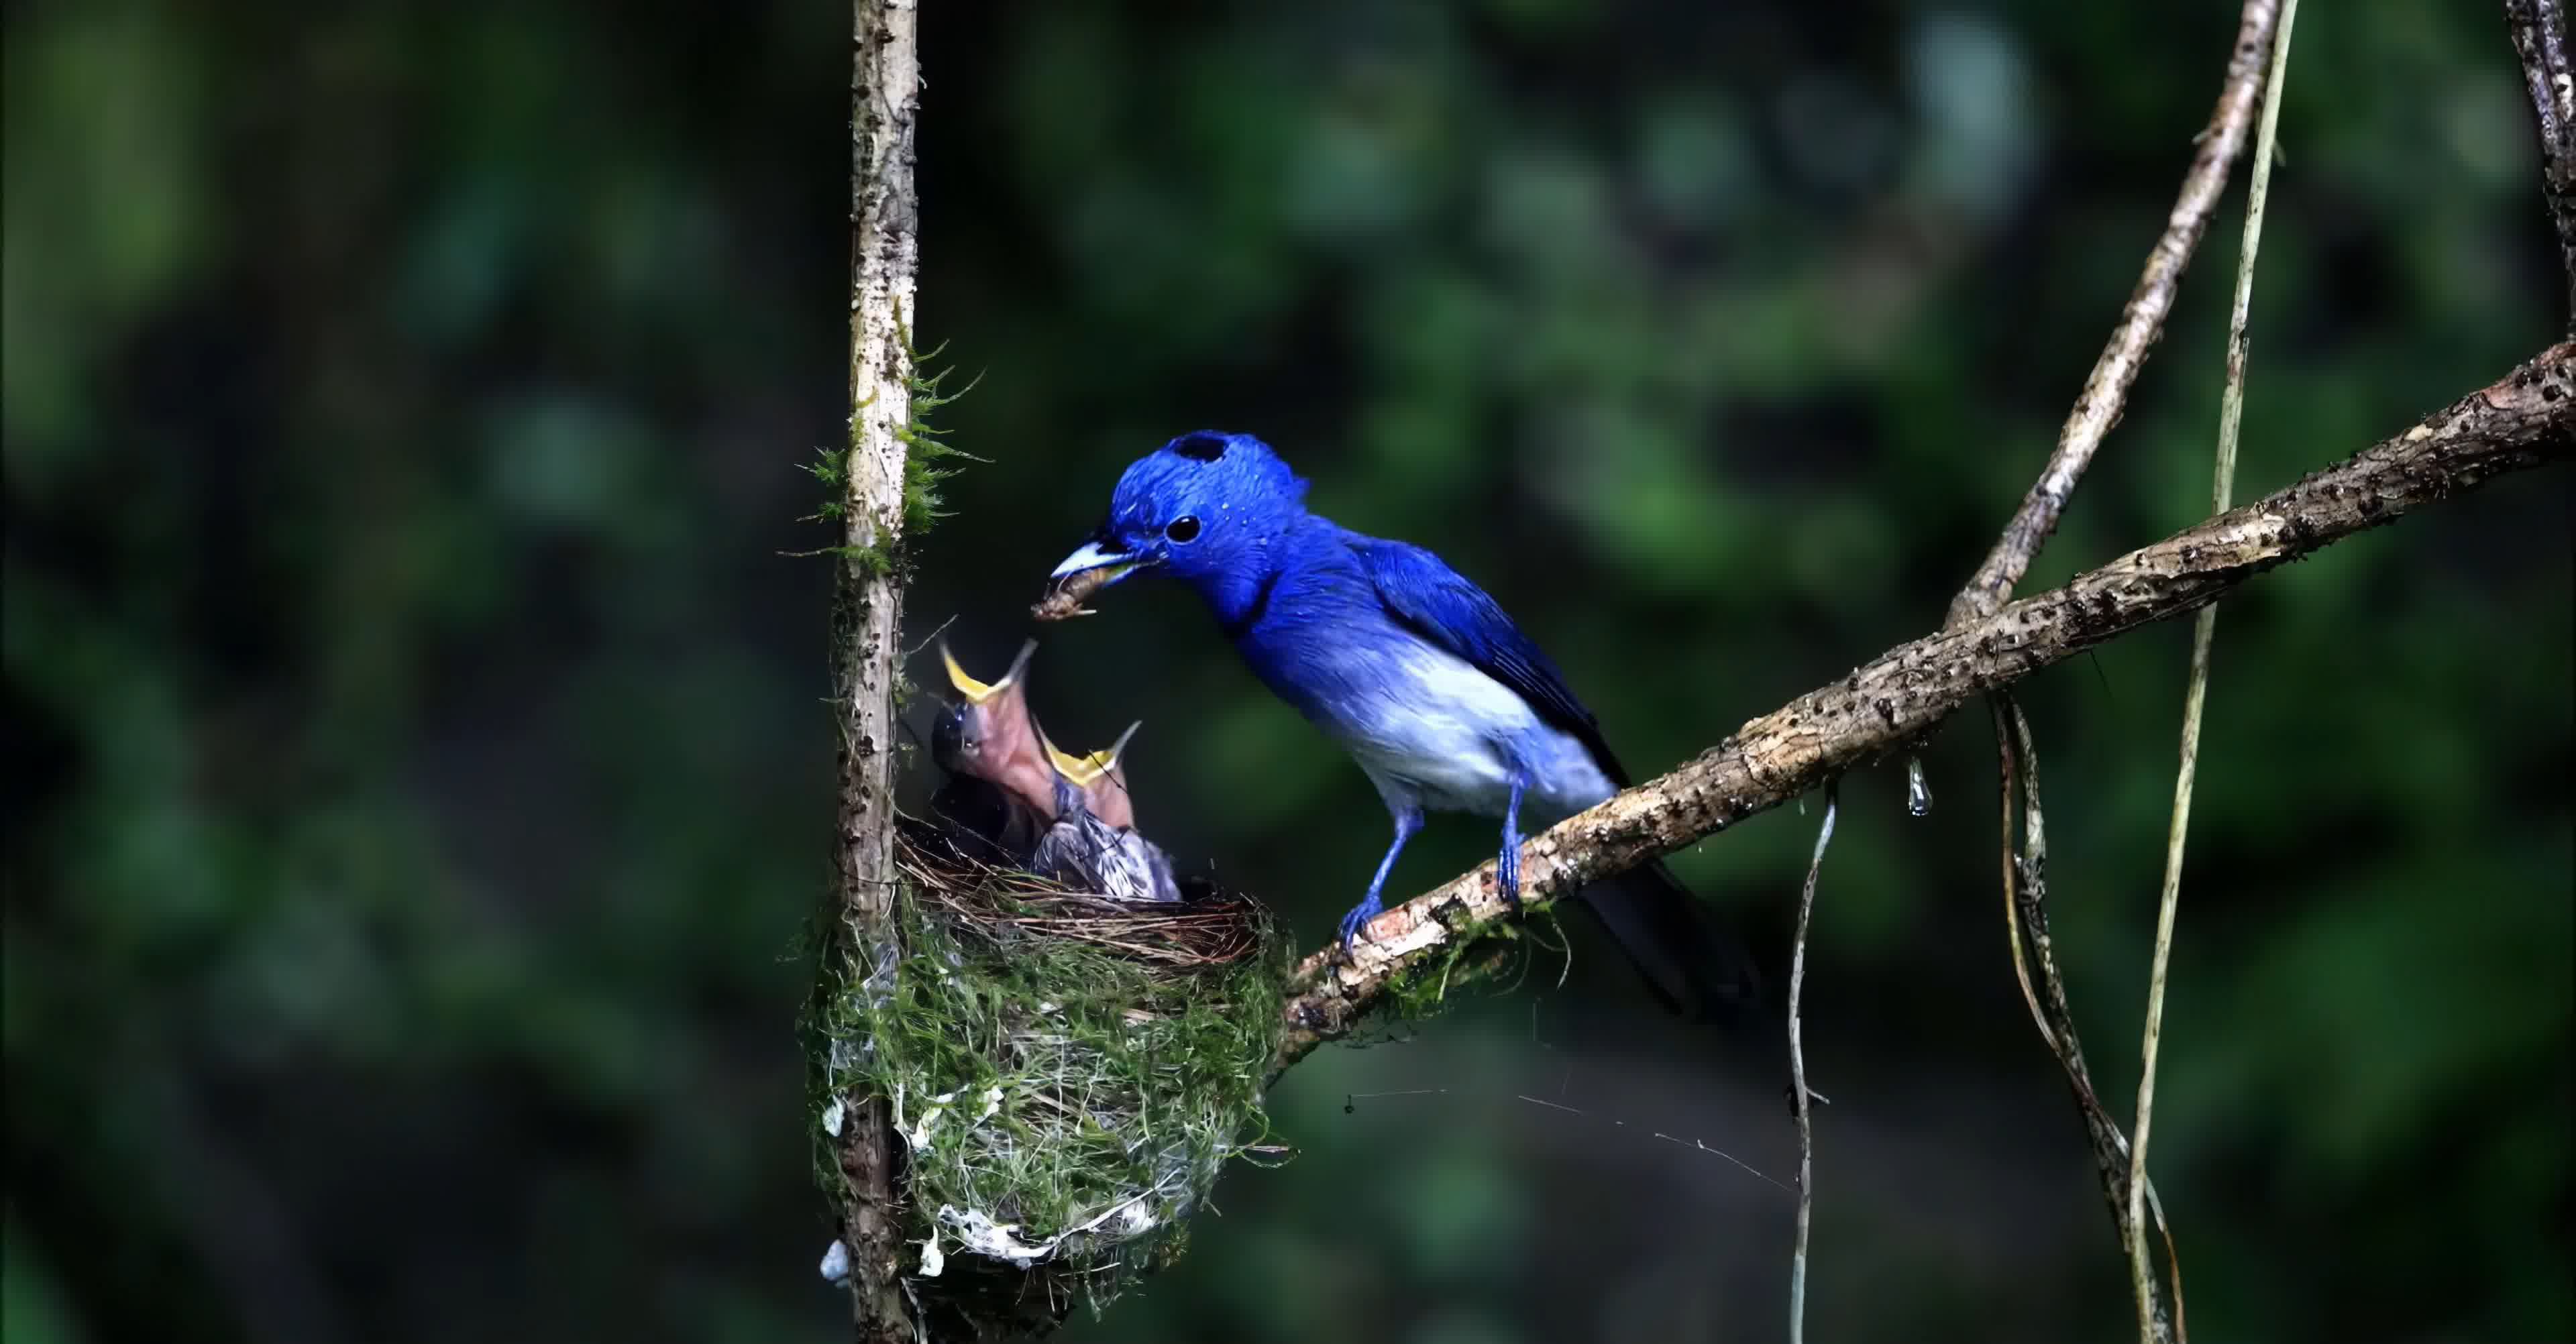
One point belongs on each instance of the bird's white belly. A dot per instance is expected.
(1441, 733)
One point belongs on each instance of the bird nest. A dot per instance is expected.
(1066, 1075)
(1213, 930)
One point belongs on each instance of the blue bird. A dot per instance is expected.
(1441, 699)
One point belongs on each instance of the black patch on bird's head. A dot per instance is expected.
(1218, 479)
(1205, 446)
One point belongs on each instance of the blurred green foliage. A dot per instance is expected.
(417, 776)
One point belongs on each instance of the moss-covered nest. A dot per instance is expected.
(1067, 1075)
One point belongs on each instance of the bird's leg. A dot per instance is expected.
(1408, 819)
(1507, 869)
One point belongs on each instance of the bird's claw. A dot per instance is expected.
(1355, 924)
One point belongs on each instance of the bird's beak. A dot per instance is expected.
(1100, 555)
(1068, 768)
(1081, 771)
(1089, 770)
(1097, 780)
(977, 692)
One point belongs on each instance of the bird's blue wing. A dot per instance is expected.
(1438, 603)
(1692, 963)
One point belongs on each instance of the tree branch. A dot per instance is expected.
(885, 81)
(2520, 422)
(2540, 38)
(2106, 390)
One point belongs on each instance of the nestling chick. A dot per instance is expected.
(1085, 848)
(1013, 800)
(1000, 794)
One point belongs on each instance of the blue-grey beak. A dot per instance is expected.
(1100, 554)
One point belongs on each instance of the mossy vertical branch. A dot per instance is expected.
(885, 80)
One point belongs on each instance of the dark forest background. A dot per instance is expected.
(417, 775)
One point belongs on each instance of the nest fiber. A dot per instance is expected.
(1067, 1074)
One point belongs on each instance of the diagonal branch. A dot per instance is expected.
(2520, 422)
(2540, 38)
(2106, 390)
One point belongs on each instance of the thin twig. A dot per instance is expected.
(2539, 29)
(2106, 389)
(1798, 1078)
(2231, 412)
(2525, 420)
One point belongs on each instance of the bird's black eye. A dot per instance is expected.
(1183, 530)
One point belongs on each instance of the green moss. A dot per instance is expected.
(925, 453)
(1495, 953)
(873, 562)
(1063, 1109)
(928, 460)
(830, 468)
(1422, 989)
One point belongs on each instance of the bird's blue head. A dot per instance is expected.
(1205, 508)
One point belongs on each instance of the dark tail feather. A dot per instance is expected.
(1700, 969)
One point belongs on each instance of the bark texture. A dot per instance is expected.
(885, 80)
(2539, 29)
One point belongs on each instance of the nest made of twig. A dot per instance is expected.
(1211, 928)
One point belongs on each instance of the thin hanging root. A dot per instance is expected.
(2222, 492)
(1799, 1095)
(2012, 888)
(2026, 883)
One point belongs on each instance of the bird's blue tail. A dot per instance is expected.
(1699, 969)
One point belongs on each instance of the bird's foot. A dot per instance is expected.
(1356, 922)
(1507, 869)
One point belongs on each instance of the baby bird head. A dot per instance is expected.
(989, 734)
